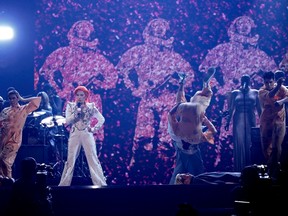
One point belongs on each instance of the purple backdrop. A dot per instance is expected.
(123, 46)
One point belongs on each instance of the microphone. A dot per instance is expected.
(78, 108)
(244, 85)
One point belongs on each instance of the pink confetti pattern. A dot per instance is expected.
(136, 96)
(235, 58)
(154, 63)
(80, 63)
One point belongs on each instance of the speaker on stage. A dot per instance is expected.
(39, 152)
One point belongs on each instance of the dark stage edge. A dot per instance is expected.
(148, 200)
(142, 200)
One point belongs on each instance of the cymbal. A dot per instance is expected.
(51, 121)
(59, 135)
(36, 114)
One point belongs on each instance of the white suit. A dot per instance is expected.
(80, 136)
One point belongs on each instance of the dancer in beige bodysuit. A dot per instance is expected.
(12, 120)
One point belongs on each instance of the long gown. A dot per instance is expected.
(244, 105)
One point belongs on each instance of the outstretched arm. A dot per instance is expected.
(209, 124)
(172, 118)
(180, 97)
(33, 102)
(208, 136)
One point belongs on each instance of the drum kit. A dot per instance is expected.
(39, 125)
(42, 128)
(53, 121)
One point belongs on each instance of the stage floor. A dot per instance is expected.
(154, 200)
(166, 200)
(146, 200)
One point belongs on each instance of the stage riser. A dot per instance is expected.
(146, 200)
(150, 200)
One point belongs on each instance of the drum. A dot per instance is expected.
(53, 121)
(34, 118)
(31, 135)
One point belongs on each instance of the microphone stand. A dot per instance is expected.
(44, 142)
(59, 150)
(244, 92)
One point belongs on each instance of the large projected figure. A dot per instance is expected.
(239, 56)
(235, 58)
(80, 63)
(148, 71)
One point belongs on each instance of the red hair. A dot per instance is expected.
(84, 89)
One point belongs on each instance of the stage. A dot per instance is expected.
(207, 199)
(137, 200)
(141, 200)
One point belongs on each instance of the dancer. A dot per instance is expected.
(12, 120)
(243, 104)
(79, 115)
(185, 126)
(273, 119)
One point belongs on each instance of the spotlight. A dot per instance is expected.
(6, 33)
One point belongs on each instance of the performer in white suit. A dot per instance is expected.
(79, 115)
